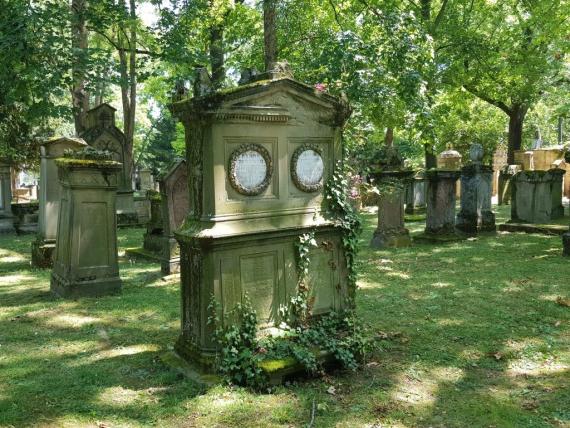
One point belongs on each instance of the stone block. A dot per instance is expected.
(440, 200)
(475, 214)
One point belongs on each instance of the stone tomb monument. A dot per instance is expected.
(258, 157)
(420, 192)
(6, 215)
(154, 227)
(440, 210)
(85, 261)
(536, 196)
(102, 134)
(49, 198)
(476, 188)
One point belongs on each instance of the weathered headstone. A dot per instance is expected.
(258, 157)
(505, 188)
(152, 240)
(85, 261)
(49, 198)
(419, 192)
(409, 196)
(102, 134)
(26, 217)
(476, 187)
(449, 160)
(145, 177)
(566, 244)
(6, 215)
(537, 196)
(440, 201)
(175, 203)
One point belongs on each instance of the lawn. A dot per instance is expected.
(470, 335)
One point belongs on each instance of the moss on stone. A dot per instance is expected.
(272, 366)
(68, 162)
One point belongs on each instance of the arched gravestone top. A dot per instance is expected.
(175, 195)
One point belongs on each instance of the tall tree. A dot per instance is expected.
(79, 41)
(269, 33)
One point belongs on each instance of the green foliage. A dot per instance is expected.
(235, 334)
(347, 218)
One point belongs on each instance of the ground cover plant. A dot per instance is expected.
(469, 334)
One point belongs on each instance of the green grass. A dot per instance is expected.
(470, 335)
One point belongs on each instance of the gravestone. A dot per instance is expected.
(566, 244)
(390, 232)
(102, 134)
(476, 187)
(154, 228)
(537, 196)
(505, 188)
(175, 204)
(6, 215)
(449, 160)
(49, 198)
(26, 217)
(440, 201)
(409, 197)
(419, 192)
(145, 177)
(85, 262)
(258, 156)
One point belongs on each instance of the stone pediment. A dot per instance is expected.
(95, 133)
(269, 101)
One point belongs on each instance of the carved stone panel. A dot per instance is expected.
(307, 168)
(250, 169)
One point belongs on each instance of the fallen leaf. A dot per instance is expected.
(381, 335)
(496, 355)
(331, 390)
(563, 301)
(557, 323)
(372, 364)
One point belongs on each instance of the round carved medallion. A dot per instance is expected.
(307, 168)
(250, 169)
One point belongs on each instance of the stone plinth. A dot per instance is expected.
(258, 157)
(6, 215)
(475, 214)
(49, 198)
(85, 261)
(537, 196)
(391, 232)
(566, 244)
(440, 201)
(449, 160)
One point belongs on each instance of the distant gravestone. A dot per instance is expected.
(175, 204)
(476, 188)
(85, 261)
(154, 228)
(440, 201)
(537, 196)
(6, 215)
(102, 134)
(145, 178)
(49, 198)
(420, 192)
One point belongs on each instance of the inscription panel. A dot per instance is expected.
(310, 168)
(250, 169)
(93, 230)
(258, 277)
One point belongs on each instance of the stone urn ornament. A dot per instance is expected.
(476, 153)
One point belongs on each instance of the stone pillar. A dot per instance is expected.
(6, 216)
(49, 198)
(440, 200)
(391, 232)
(85, 261)
(475, 214)
(537, 196)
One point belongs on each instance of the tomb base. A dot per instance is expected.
(63, 287)
(439, 238)
(537, 196)
(43, 252)
(159, 249)
(391, 239)
(566, 244)
(473, 223)
(260, 262)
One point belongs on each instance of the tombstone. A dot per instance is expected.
(390, 232)
(440, 201)
(85, 262)
(476, 187)
(49, 198)
(102, 134)
(152, 241)
(6, 215)
(566, 244)
(419, 192)
(449, 160)
(258, 157)
(505, 188)
(537, 196)
(26, 217)
(145, 177)
(409, 197)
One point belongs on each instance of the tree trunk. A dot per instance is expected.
(217, 55)
(79, 44)
(430, 157)
(269, 33)
(560, 130)
(389, 137)
(516, 119)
